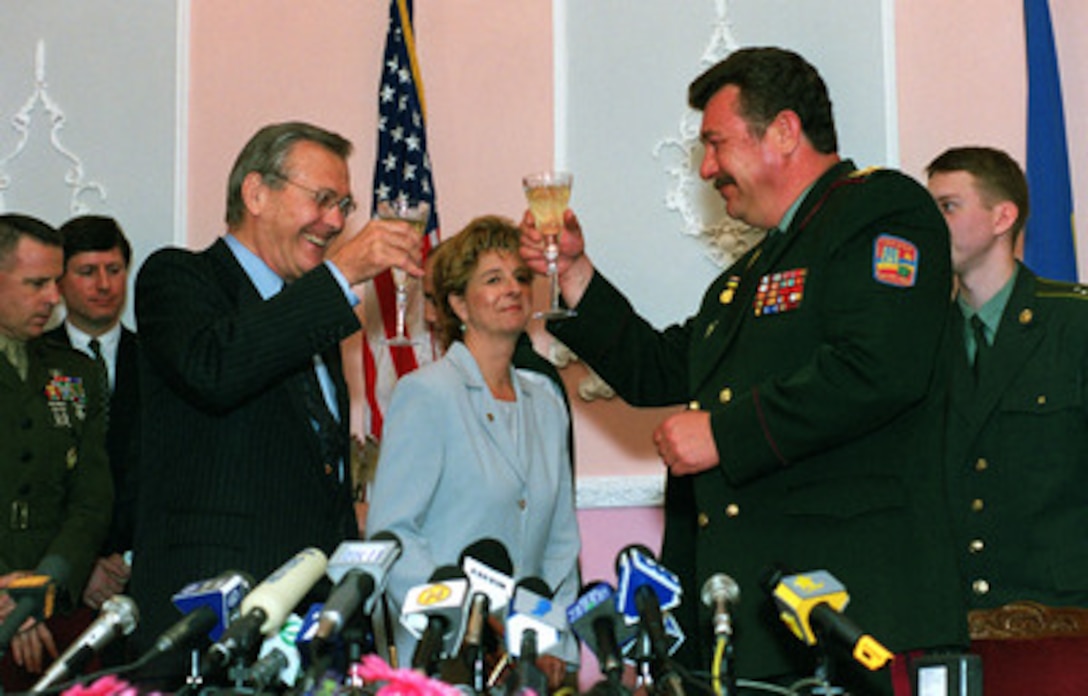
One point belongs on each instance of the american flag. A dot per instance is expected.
(402, 169)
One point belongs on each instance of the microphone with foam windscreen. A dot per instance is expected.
(434, 613)
(266, 607)
(34, 596)
(117, 618)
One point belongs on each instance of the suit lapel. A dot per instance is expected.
(243, 292)
(486, 408)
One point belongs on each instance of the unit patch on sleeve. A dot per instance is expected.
(895, 261)
(779, 292)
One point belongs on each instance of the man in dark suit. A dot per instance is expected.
(94, 286)
(244, 427)
(1018, 418)
(811, 430)
(55, 489)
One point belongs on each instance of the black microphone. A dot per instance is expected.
(359, 570)
(118, 617)
(434, 613)
(266, 607)
(532, 627)
(595, 620)
(34, 596)
(489, 570)
(642, 583)
(209, 606)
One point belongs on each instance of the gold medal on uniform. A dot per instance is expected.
(730, 291)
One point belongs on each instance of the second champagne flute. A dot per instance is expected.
(416, 213)
(548, 194)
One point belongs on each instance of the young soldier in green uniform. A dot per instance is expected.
(56, 493)
(1018, 430)
(811, 435)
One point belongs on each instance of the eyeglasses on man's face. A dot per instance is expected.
(326, 199)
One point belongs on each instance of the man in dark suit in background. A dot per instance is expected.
(811, 433)
(94, 286)
(1018, 417)
(244, 431)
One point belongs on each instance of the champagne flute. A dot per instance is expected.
(415, 213)
(548, 194)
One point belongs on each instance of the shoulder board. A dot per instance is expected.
(863, 173)
(1056, 288)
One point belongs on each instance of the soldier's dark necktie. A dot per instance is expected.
(982, 347)
(96, 350)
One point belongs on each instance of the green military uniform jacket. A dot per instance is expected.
(56, 492)
(1018, 450)
(814, 354)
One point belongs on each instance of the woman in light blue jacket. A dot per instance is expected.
(474, 447)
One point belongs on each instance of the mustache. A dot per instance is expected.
(723, 180)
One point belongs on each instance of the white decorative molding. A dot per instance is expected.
(21, 122)
(646, 490)
(591, 387)
(726, 237)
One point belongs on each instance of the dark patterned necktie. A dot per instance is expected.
(326, 425)
(96, 350)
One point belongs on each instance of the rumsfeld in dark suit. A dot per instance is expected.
(811, 428)
(244, 457)
(97, 257)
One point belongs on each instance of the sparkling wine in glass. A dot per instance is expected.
(415, 213)
(548, 194)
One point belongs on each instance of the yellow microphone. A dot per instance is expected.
(811, 605)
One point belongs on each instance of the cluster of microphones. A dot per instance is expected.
(461, 618)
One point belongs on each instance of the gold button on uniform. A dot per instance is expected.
(732, 510)
(725, 395)
(693, 405)
(982, 464)
(1026, 316)
(1041, 399)
(977, 505)
(703, 520)
(980, 587)
(976, 546)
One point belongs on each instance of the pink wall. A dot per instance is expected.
(962, 80)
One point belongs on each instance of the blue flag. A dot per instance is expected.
(1049, 243)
